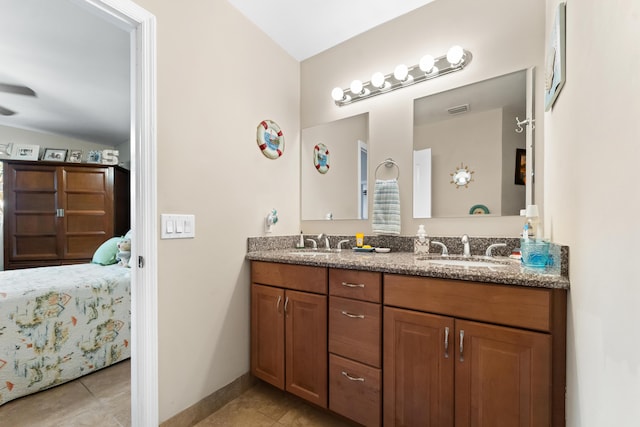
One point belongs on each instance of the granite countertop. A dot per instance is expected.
(510, 272)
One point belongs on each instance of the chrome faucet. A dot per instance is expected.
(491, 247)
(326, 240)
(339, 249)
(314, 244)
(466, 252)
(445, 251)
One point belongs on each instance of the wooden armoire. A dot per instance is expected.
(60, 213)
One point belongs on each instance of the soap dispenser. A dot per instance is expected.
(421, 242)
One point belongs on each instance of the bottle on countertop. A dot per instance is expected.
(301, 242)
(421, 241)
(531, 229)
(359, 240)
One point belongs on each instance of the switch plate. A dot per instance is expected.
(175, 226)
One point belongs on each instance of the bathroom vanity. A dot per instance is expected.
(389, 339)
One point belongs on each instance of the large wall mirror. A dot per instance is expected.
(471, 133)
(334, 169)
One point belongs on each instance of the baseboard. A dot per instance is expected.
(207, 406)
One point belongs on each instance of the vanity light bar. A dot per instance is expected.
(403, 76)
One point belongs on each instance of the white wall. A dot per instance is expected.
(218, 78)
(592, 200)
(503, 38)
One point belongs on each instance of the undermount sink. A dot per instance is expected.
(302, 253)
(466, 263)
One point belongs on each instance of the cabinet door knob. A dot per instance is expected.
(350, 378)
(446, 342)
(353, 316)
(462, 345)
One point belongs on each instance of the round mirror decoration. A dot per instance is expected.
(321, 158)
(270, 139)
(461, 176)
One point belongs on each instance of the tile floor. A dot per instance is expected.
(102, 399)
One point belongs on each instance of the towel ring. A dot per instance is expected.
(388, 163)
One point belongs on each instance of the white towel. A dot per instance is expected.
(386, 207)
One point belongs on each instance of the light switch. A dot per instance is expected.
(175, 226)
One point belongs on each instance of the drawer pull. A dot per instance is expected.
(446, 342)
(462, 345)
(353, 285)
(350, 378)
(353, 316)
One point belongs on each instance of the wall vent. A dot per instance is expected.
(459, 109)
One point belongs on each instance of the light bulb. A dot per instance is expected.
(401, 72)
(426, 63)
(337, 94)
(454, 54)
(356, 87)
(377, 79)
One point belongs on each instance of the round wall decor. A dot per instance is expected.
(270, 139)
(321, 157)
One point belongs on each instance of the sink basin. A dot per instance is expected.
(465, 263)
(311, 253)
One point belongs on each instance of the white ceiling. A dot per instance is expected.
(78, 64)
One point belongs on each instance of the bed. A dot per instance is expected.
(60, 323)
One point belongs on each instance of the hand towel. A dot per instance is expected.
(386, 207)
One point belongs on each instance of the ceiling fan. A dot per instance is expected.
(16, 89)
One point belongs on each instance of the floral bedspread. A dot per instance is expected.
(60, 323)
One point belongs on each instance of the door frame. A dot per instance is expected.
(141, 25)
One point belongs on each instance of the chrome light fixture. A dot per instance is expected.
(428, 68)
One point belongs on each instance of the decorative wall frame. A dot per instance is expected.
(321, 158)
(461, 176)
(555, 60)
(270, 139)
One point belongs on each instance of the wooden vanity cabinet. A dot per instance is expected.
(289, 328)
(461, 353)
(355, 336)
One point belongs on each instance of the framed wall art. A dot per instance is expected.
(555, 60)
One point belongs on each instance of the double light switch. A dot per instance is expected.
(178, 226)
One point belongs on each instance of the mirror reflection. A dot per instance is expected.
(475, 126)
(334, 169)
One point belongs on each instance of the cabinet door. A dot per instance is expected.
(87, 197)
(267, 334)
(32, 214)
(306, 346)
(502, 376)
(418, 369)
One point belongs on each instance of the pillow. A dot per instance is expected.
(106, 253)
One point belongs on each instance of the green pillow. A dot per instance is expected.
(106, 253)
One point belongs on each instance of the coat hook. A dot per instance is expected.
(525, 122)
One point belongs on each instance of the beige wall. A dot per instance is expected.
(218, 77)
(592, 143)
(502, 37)
(473, 140)
(335, 191)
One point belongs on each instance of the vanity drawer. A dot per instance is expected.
(516, 306)
(354, 390)
(298, 277)
(363, 285)
(355, 330)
